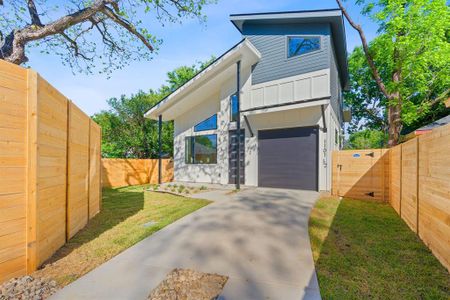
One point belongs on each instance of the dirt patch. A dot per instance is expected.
(189, 285)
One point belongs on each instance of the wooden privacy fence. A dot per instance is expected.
(49, 170)
(413, 177)
(361, 174)
(124, 172)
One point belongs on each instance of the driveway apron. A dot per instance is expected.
(257, 237)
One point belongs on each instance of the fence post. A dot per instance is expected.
(69, 107)
(159, 149)
(417, 185)
(401, 180)
(31, 218)
(383, 184)
(89, 174)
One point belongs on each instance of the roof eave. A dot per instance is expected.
(200, 77)
(239, 19)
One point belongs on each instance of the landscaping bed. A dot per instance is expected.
(363, 250)
(178, 189)
(128, 215)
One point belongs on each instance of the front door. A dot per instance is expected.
(232, 156)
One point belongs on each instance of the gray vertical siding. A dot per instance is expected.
(335, 86)
(270, 40)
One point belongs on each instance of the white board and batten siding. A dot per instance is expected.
(313, 85)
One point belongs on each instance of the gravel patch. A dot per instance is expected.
(28, 288)
(189, 285)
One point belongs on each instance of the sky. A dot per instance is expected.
(183, 44)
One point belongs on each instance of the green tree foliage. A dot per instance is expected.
(408, 62)
(125, 131)
(88, 36)
(367, 139)
(369, 105)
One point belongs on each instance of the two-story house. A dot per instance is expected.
(281, 86)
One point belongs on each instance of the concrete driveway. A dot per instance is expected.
(258, 237)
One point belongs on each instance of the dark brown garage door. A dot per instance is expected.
(288, 158)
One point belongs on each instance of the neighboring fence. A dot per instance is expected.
(417, 184)
(41, 141)
(124, 172)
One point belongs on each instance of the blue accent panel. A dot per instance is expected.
(208, 124)
(271, 42)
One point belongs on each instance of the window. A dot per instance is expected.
(234, 107)
(208, 124)
(201, 149)
(302, 45)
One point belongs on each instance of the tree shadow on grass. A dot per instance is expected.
(368, 251)
(118, 204)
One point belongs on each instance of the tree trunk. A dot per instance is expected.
(395, 109)
(395, 102)
(395, 125)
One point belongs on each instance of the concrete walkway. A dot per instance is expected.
(258, 237)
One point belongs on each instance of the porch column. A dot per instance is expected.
(238, 124)
(160, 149)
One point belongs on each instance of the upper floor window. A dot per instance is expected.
(208, 124)
(234, 107)
(298, 45)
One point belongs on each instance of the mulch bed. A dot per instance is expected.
(184, 284)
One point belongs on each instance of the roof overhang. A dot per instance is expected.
(209, 79)
(331, 16)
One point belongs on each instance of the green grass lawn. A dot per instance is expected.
(364, 250)
(118, 226)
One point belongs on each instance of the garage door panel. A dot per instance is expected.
(288, 158)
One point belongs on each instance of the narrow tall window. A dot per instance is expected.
(301, 45)
(234, 107)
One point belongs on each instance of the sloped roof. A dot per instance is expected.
(437, 123)
(243, 50)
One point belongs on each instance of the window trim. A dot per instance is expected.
(302, 36)
(186, 161)
(215, 125)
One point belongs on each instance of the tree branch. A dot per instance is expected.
(75, 47)
(370, 61)
(35, 20)
(439, 98)
(106, 36)
(125, 24)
